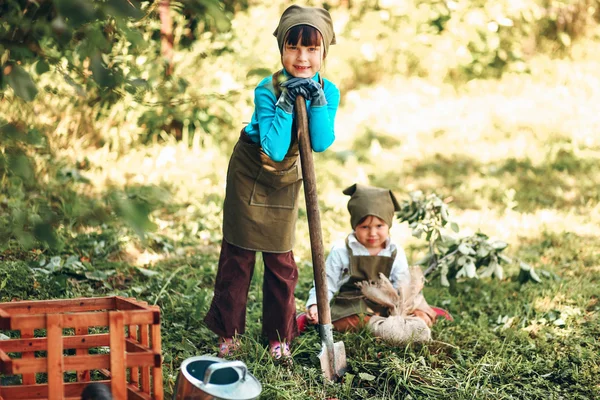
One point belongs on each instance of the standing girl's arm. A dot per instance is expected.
(322, 119)
(275, 125)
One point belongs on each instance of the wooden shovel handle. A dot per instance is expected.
(312, 210)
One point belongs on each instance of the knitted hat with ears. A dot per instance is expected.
(368, 200)
(318, 18)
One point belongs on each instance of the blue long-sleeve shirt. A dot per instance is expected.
(271, 126)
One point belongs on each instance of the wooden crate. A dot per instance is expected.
(132, 366)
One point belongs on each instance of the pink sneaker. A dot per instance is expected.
(440, 312)
(227, 346)
(279, 350)
(302, 322)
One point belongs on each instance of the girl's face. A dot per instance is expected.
(372, 233)
(302, 61)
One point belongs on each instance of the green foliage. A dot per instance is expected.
(16, 281)
(462, 40)
(106, 53)
(452, 258)
(99, 39)
(34, 213)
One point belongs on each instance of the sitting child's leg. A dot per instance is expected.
(351, 323)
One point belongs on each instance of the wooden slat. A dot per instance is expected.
(82, 376)
(55, 357)
(126, 303)
(132, 346)
(75, 388)
(157, 381)
(41, 344)
(69, 342)
(133, 393)
(84, 319)
(6, 364)
(59, 305)
(135, 347)
(105, 372)
(72, 363)
(145, 371)
(4, 319)
(142, 360)
(72, 389)
(25, 392)
(28, 379)
(81, 363)
(118, 380)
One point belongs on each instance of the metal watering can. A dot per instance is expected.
(212, 378)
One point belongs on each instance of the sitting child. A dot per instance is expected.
(366, 253)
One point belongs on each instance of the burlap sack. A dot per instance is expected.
(397, 329)
(400, 326)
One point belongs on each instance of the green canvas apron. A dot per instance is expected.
(261, 197)
(349, 300)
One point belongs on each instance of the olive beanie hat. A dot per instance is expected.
(368, 200)
(318, 18)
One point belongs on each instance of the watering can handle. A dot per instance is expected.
(225, 364)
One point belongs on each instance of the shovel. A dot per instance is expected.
(333, 355)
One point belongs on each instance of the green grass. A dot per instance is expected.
(505, 341)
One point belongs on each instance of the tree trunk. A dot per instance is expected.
(166, 35)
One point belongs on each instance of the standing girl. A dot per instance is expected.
(263, 183)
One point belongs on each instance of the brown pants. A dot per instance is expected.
(227, 314)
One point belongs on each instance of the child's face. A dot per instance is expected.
(302, 61)
(372, 233)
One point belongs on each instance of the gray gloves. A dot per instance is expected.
(306, 87)
(310, 89)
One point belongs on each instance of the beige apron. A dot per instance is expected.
(350, 300)
(261, 197)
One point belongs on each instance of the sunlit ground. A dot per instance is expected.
(515, 157)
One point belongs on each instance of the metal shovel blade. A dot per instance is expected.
(332, 355)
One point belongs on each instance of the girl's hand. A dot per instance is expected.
(317, 96)
(298, 86)
(312, 314)
(286, 101)
(308, 88)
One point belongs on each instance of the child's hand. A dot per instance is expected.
(316, 94)
(312, 314)
(308, 88)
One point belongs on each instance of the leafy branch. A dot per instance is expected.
(451, 257)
